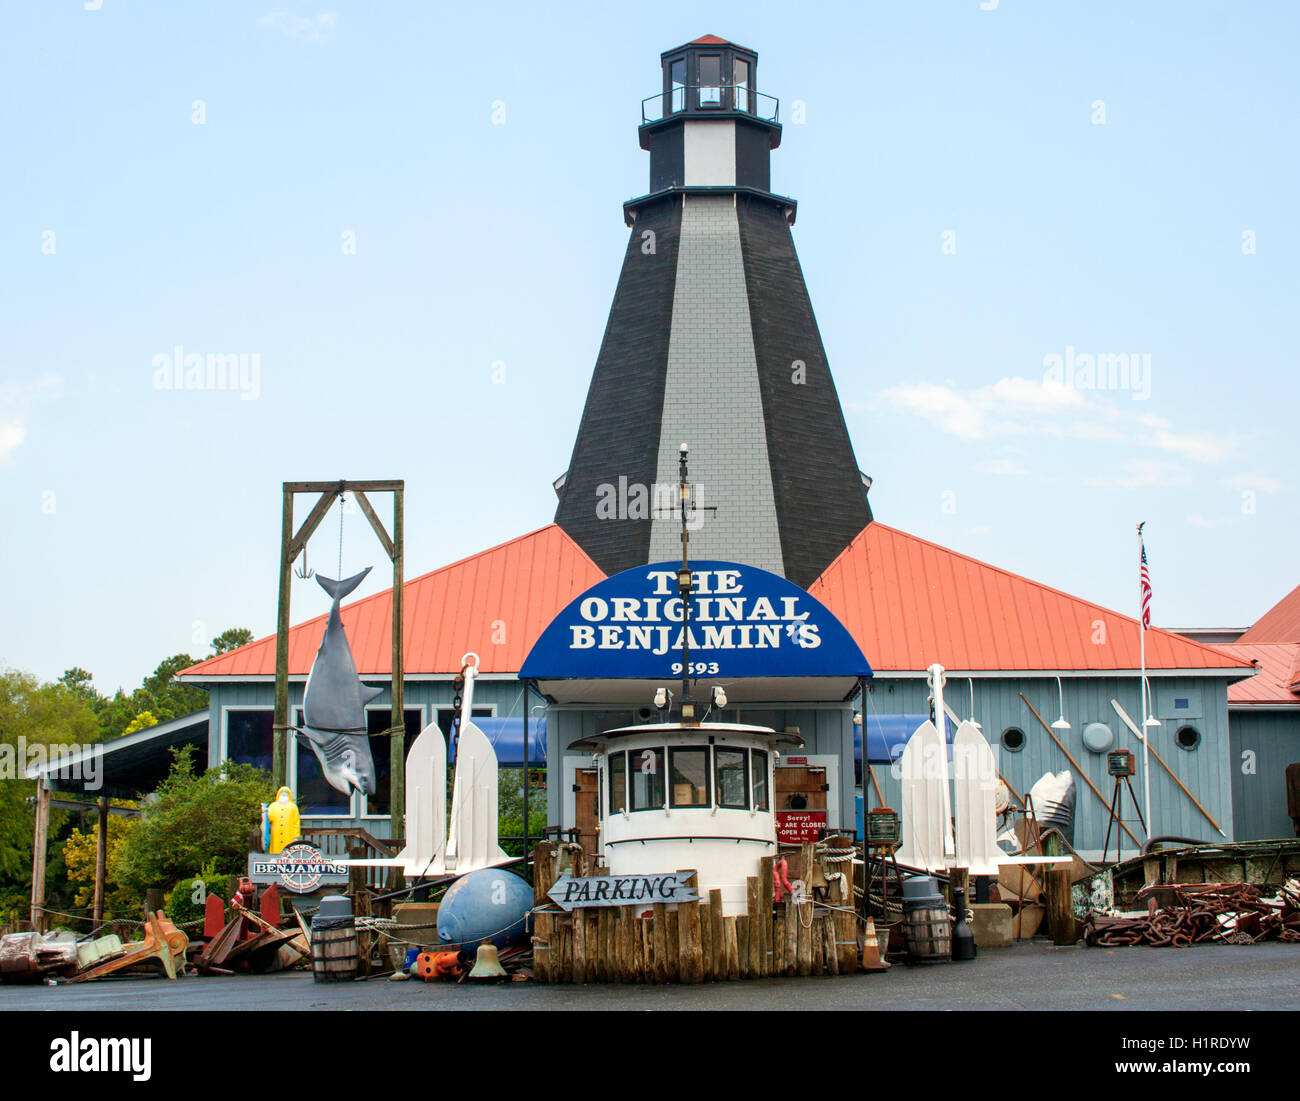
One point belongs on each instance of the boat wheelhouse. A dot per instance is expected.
(674, 796)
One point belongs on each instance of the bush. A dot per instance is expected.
(181, 907)
(193, 822)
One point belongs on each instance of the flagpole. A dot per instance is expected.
(1142, 652)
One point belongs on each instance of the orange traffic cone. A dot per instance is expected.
(871, 957)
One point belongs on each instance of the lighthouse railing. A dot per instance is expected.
(739, 99)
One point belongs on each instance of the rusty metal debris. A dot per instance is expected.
(1201, 913)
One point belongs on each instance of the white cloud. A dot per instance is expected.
(1260, 483)
(1040, 396)
(15, 402)
(1005, 466)
(1141, 472)
(997, 410)
(311, 28)
(1199, 448)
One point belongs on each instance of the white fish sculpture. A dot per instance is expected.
(334, 703)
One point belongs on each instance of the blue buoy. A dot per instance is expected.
(487, 905)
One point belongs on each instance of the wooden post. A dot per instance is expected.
(397, 739)
(791, 954)
(731, 940)
(673, 942)
(39, 839)
(752, 941)
(743, 946)
(830, 948)
(543, 922)
(765, 938)
(579, 921)
(706, 940)
(689, 936)
(101, 863)
(803, 915)
(660, 934)
(1060, 911)
(778, 941)
(718, 935)
(280, 730)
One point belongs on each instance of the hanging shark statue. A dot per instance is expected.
(334, 703)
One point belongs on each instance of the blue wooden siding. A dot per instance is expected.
(1263, 744)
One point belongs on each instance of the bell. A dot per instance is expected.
(487, 965)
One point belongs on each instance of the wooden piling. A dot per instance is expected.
(765, 923)
(688, 923)
(543, 921)
(717, 936)
(731, 940)
(706, 941)
(744, 962)
(659, 934)
(673, 945)
(752, 941)
(578, 923)
(791, 951)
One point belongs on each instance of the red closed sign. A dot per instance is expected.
(795, 827)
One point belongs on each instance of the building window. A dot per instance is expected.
(729, 768)
(317, 798)
(1188, 737)
(647, 779)
(446, 715)
(690, 777)
(711, 81)
(759, 763)
(1013, 739)
(617, 782)
(249, 738)
(377, 723)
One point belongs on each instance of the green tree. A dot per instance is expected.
(231, 640)
(510, 809)
(33, 715)
(193, 821)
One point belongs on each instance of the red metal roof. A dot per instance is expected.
(1279, 672)
(514, 590)
(710, 40)
(910, 603)
(1281, 623)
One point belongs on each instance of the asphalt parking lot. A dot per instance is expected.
(1032, 975)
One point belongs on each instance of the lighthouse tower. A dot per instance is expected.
(711, 341)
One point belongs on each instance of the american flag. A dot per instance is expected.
(1146, 589)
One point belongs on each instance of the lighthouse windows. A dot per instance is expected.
(690, 777)
(741, 90)
(711, 81)
(677, 75)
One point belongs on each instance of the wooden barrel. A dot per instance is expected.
(334, 950)
(928, 932)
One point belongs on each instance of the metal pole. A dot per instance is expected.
(525, 768)
(1142, 657)
(280, 732)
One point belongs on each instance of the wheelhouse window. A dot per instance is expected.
(729, 768)
(711, 81)
(647, 778)
(759, 786)
(690, 769)
(617, 782)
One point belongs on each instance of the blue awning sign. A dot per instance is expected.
(744, 622)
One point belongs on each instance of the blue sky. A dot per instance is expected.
(964, 215)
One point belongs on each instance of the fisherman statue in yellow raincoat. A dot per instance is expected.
(283, 822)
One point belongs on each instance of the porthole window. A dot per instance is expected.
(1013, 739)
(1188, 737)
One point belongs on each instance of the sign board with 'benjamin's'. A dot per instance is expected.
(572, 893)
(300, 868)
(744, 622)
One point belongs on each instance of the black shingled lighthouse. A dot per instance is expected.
(712, 341)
